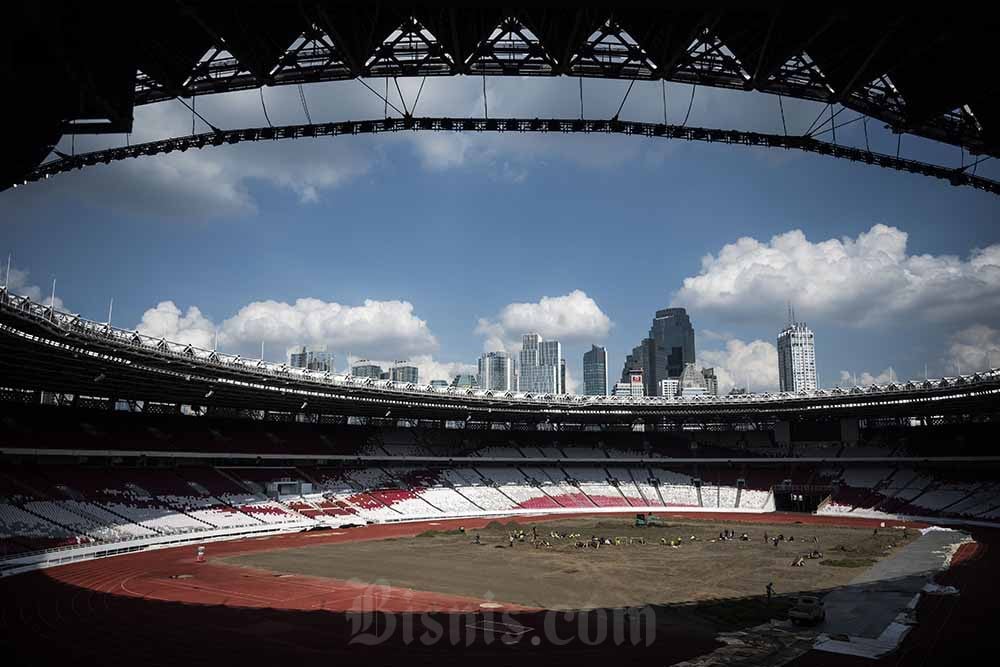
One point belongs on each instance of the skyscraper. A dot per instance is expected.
(405, 373)
(664, 353)
(465, 381)
(673, 340)
(366, 369)
(796, 358)
(595, 371)
(496, 371)
(311, 358)
(711, 381)
(539, 369)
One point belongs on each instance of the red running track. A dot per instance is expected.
(140, 609)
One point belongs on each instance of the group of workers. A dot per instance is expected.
(596, 542)
(726, 535)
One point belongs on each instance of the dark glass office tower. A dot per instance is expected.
(673, 337)
(595, 371)
(664, 353)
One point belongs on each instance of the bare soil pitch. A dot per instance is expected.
(566, 577)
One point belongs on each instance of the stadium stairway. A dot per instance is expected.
(546, 486)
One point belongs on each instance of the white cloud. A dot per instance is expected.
(738, 363)
(573, 317)
(974, 348)
(866, 378)
(572, 385)
(867, 281)
(19, 283)
(430, 368)
(167, 321)
(373, 329)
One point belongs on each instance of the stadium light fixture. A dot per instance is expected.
(100, 377)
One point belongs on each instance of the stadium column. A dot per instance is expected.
(849, 430)
(782, 433)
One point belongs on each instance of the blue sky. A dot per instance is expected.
(415, 246)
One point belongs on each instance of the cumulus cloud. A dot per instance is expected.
(167, 321)
(375, 328)
(19, 282)
(572, 384)
(866, 378)
(974, 348)
(573, 317)
(429, 367)
(864, 281)
(740, 362)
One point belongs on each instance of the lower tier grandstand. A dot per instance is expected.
(52, 505)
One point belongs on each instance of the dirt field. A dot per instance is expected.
(564, 576)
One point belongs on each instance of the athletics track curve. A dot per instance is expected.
(140, 609)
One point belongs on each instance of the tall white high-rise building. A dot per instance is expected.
(796, 358)
(496, 371)
(540, 367)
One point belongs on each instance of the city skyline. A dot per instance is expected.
(796, 366)
(866, 257)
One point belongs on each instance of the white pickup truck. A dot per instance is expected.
(807, 610)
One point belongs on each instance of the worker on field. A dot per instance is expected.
(770, 591)
(478, 541)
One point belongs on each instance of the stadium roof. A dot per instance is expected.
(82, 67)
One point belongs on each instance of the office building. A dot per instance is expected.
(439, 384)
(496, 371)
(670, 388)
(796, 358)
(634, 386)
(595, 371)
(311, 358)
(405, 373)
(465, 381)
(711, 381)
(664, 353)
(366, 369)
(540, 370)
